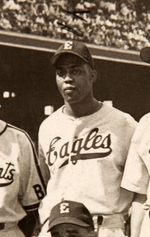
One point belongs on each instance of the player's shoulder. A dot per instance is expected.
(51, 119)
(3, 126)
(13, 132)
(142, 135)
(122, 117)
(144, 125)
(145, 119)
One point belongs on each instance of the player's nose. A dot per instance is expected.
(67, 78)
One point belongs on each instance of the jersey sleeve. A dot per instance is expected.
(43, 166)
(32, 186)
(41, 154)
(136, 172)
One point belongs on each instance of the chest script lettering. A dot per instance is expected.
(6, 175)
(93, 140)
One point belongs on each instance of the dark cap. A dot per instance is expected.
(74, 47)
(70, 212)
(145, 54)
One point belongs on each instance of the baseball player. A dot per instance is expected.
(85, 144)
(69, 218)
(21, 184)
(137, 171)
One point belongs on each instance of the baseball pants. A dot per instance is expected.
(11, 230)
(44, 232)
(112, 226)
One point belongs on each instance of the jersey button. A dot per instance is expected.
(75, 137)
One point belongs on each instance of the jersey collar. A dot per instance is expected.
(2, 126)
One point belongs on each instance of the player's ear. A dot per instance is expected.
(93, 75)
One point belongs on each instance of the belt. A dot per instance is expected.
(109, 221)
(2, 226)
(7, 225)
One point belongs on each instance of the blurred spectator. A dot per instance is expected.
(121, 24)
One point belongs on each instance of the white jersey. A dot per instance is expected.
(21, 183)
(86, 158)
(137, 172)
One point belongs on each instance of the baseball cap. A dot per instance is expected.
(145, 54)
(70, 212)
(76, 48)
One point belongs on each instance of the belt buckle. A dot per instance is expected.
(100, 220)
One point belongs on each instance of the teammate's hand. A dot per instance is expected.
(127, 227)
(146, 206)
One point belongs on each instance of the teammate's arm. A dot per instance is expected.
(27, 224)
(43, 166)
(137, 214)
(32, 186)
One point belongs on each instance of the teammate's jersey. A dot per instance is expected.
(137, 171)
(86, 158)
(21, 183)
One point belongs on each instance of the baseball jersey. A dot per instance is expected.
(137, 171)
(21, 182)
(86, 158)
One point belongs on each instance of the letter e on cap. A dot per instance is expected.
(68, 45)
(64, 207)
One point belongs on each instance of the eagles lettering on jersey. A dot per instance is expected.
(93, 146)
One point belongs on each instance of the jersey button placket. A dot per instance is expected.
(73, 137)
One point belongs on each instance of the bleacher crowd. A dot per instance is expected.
(123, 24)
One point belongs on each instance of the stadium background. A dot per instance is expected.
(31, 31)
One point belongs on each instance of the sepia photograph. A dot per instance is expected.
(74, 118)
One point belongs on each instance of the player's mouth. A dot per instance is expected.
(69, 88)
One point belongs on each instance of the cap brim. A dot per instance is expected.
(69, 220)
(145, 54)
(56, 56)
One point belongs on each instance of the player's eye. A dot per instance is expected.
(76, 71)
(60, 73)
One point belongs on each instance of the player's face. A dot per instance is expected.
(74, 78)
(70, 230)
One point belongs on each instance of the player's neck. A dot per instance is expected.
(82, 109)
